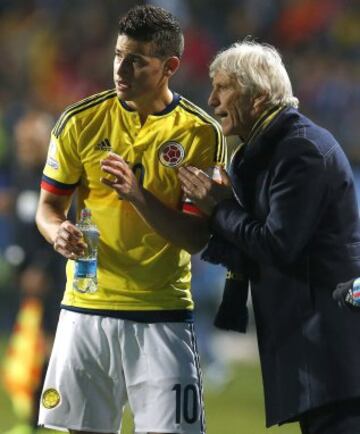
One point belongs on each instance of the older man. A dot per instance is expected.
(291, 225)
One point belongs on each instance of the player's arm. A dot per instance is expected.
(51, 219)
(187, 231)
(190, 232)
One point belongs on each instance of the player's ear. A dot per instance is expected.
(259, 104)
(171, 66)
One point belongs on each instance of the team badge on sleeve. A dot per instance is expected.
(171, 154)
(51, 160)
(50, 398)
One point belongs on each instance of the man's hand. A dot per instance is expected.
(205, 192)
(124, 181)
(69, 241)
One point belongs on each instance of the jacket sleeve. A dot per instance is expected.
(297, 194)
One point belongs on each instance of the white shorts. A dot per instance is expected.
(100, 363)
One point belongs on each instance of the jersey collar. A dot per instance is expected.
(167, 109)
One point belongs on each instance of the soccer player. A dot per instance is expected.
(119, 151)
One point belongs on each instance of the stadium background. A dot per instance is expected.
(55, 52)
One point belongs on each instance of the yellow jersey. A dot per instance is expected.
(138, 270)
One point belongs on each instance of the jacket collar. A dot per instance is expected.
(263, 122)
(270, 124)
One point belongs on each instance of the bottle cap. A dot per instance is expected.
(85, 212)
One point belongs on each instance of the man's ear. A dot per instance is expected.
(259, 105)
(171, 66)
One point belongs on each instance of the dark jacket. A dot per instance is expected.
(296, 220)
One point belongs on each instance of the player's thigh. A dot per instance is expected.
(163, 377)
(84, 389)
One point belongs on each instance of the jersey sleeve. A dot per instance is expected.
(63, 167)
(210, 145)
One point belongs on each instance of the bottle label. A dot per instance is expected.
(85, 268)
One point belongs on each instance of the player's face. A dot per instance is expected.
(231, 105)
(137, 73)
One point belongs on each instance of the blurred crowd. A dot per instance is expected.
(55, 52)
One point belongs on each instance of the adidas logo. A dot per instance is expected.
(104, 145)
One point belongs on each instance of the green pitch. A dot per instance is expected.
(237, 408)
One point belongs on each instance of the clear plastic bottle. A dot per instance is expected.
(85, 273)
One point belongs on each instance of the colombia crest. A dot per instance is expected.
(171, 154)
(50, 398)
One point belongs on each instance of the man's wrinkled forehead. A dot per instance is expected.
(220, 77)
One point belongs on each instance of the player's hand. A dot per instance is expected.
(123, 180)
(69, 241)
(205, 192)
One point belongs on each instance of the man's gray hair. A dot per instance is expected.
(259, 69)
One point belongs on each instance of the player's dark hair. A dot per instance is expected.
(154, 24)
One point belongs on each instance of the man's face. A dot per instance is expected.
(231, 105)
(137, 73)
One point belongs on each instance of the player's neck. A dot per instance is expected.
(151, 104)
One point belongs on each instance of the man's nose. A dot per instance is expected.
(213, 101)
(122, 66)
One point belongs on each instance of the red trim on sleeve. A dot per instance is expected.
(55, 190)
(190, 208)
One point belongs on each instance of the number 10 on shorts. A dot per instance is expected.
(187, 403)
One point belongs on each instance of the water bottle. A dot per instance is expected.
(85, 273)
